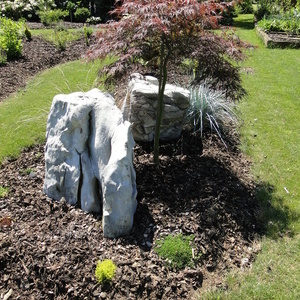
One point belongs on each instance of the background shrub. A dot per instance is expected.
(11, 38)
(24, 8)
(81, 14)
(246, 7)
(49, 17)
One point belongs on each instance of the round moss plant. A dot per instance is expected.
(105, 271)
(177, 250)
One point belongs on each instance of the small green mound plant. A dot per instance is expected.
(105, 271)
(176, 250)
(3, 191)
(81, 14)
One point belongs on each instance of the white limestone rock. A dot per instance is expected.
(140, 108)
(89, 158)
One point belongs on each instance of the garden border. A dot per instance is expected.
(278, 39)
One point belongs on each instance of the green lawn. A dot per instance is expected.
(271, 137)
(271, 130)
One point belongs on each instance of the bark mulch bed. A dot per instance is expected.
(37, 55)
(49, 250)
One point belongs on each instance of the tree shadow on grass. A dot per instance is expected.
(275, 217)
(245, 23)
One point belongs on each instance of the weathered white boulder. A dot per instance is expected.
(89, 158)
(140, 108)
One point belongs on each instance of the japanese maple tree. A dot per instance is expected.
(157, 33)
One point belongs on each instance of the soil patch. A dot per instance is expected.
(49, 250)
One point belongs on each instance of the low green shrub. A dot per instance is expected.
(105, 271)
(10, 39)
(176, 250)
(81, 14)
(210, 109)
(3, 191)
(52, 16)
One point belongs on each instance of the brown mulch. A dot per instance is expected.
(37, 55)
(49, 250)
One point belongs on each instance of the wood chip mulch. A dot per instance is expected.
(49, 250)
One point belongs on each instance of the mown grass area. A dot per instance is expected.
(271, 131)
(23, 116)
(271, 137)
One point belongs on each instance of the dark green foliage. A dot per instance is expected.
(71, 6)
(246, 6)
(27, 33)
(81, 14)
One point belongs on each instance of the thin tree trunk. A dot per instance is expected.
(160, 105)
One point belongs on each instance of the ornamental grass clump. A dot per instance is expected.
(176, 250)
(209, 109)
(105, 271)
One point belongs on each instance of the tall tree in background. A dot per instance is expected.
(163, 32)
